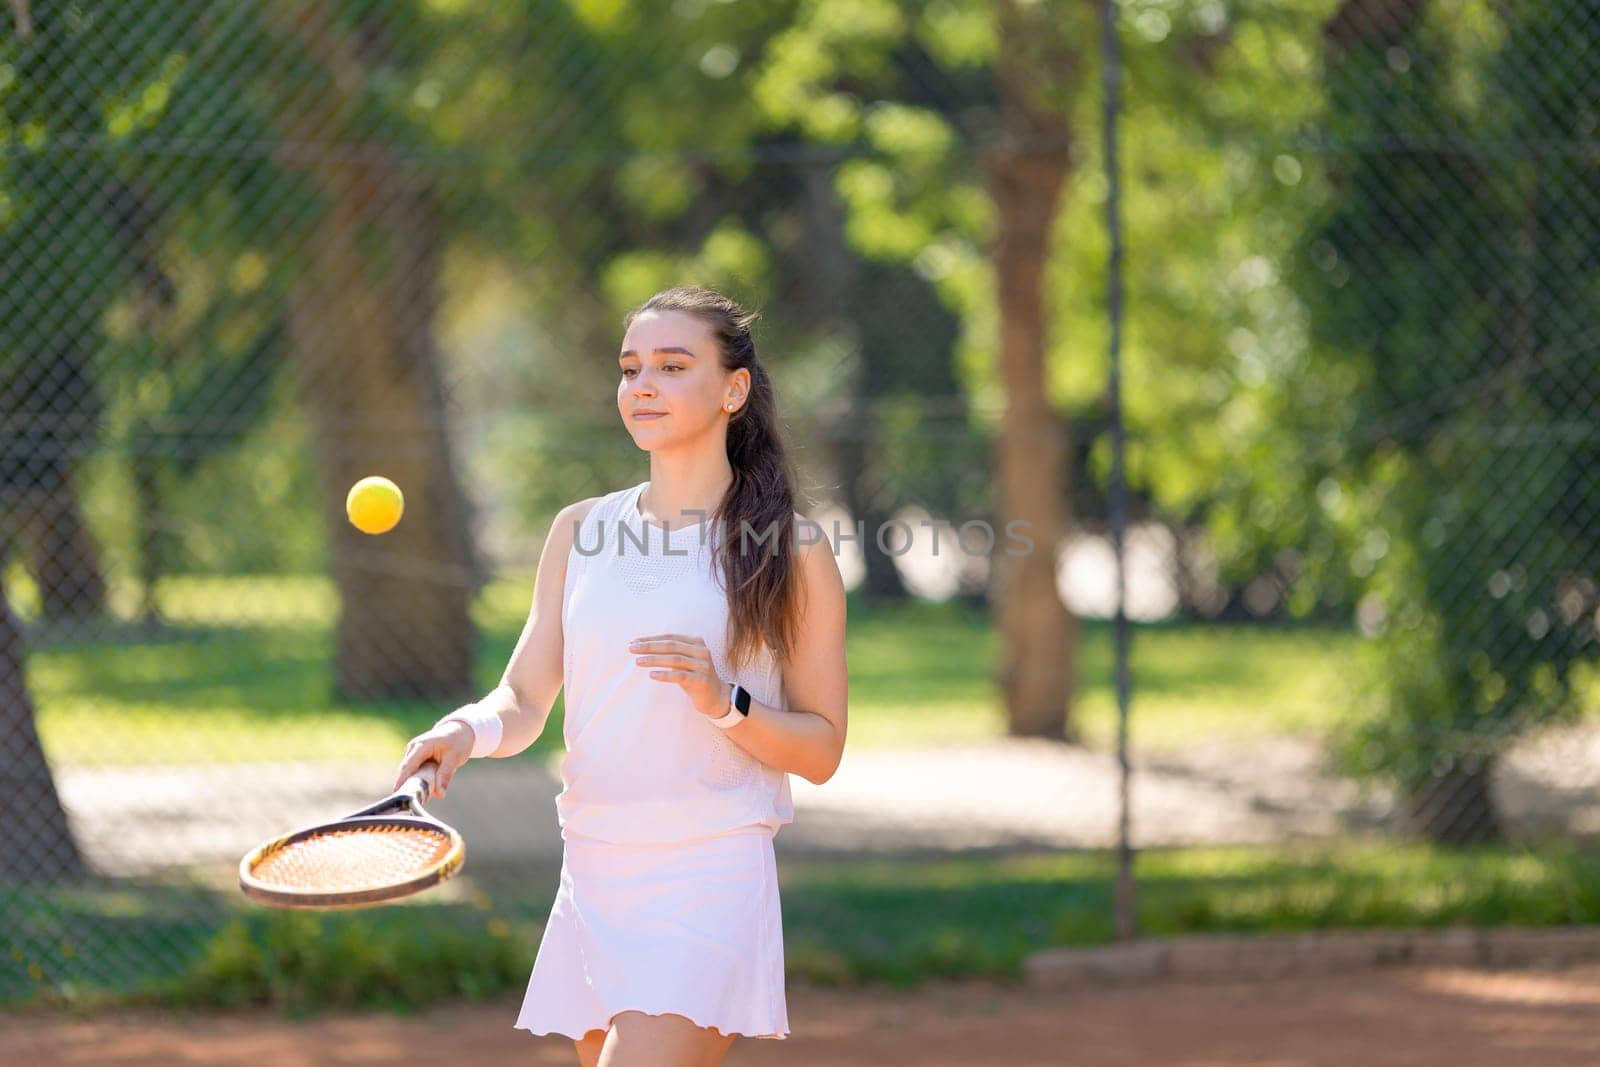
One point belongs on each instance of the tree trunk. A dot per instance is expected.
(35, 478)
(61, 552)
(1370, 24)
(1456, 808)
(148, 554)
(835, 277)
(361, 322)
(370, 381)
(1025, 176)
(47, 851)
(1038, 633)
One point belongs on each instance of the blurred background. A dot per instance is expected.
(251, 253)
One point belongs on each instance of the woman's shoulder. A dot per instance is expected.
(579, 509)
(564, 527)
(809, 532)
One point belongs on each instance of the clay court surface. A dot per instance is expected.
(1398, 1015)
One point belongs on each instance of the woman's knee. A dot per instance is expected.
(589, 1047)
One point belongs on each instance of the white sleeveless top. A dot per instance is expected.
(642, 765)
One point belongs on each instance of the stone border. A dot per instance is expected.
(1276, 955)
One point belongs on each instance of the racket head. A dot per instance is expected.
(386, 851)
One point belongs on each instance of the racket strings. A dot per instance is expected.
(354, 858)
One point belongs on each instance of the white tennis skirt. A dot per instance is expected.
(692, 928)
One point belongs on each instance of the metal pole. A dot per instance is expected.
(1125, 904)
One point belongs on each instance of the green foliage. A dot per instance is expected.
(580, 159)
(1216, 193)
(401, 959)
(141, 287)
(1457, 327)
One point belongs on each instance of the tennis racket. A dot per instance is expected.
(381, 853)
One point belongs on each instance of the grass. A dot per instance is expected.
(243, 673)
(849, 922)
(922, 673)
(901, 923)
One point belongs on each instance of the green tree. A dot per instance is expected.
(323, 251)
(656, 162)
(1213, 202)
(1453, 292)
(983, 144)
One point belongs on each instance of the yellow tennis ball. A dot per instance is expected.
(374, 504)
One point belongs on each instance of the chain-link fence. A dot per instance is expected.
(252, 253)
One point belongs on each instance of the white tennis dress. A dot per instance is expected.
(668, 899)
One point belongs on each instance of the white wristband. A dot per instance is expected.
(486, 728)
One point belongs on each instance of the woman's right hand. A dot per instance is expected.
(450, 743)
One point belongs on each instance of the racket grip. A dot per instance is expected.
(420, 785)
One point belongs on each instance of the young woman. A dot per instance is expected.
(696, 625)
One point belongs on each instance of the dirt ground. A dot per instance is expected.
(1415, 1016)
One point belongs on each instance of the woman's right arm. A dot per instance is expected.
(533, 676)
(527, 691)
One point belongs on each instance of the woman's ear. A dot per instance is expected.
(739, 388)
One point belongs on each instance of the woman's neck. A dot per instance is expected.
(684, 496)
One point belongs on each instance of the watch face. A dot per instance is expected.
(741, 699)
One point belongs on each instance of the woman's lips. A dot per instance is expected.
(649, 414)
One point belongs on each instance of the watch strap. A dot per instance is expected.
(733, 718)
(738, 707)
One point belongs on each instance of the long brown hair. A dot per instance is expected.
(758, 571)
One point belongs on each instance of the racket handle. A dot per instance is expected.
(420, 785)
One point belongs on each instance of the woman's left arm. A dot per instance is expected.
(808, 738)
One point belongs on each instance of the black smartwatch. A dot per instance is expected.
(739, 707)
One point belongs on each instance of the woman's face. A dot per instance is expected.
(671, 364)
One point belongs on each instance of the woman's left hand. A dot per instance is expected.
(684, 661)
